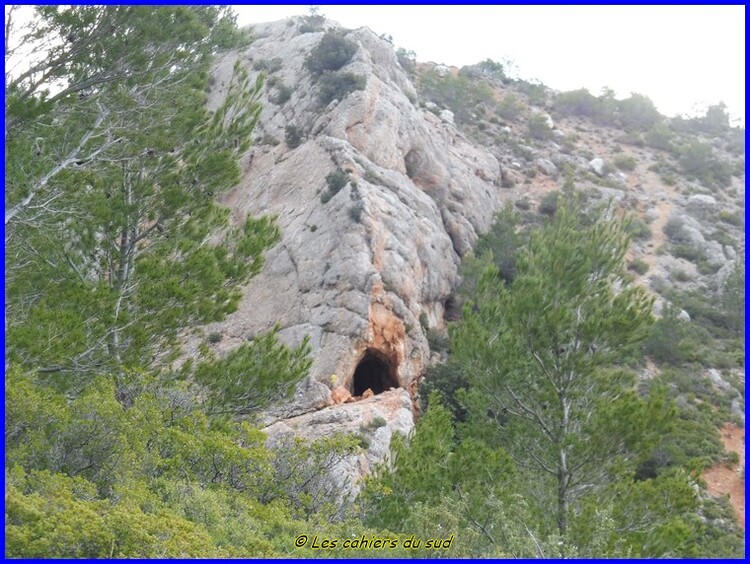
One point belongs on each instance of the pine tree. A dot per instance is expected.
(541, 353)
(114, 239)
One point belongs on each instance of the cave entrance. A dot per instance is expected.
(375, 372)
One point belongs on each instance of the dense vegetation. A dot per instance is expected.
(536, 439)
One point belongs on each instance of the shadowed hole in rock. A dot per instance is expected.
(374, 372)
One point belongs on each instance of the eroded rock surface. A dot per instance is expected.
(359, 271)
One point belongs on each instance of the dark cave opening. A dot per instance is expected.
(374, 372)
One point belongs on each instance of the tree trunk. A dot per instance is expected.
(563, 473)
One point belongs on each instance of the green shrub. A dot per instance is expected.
(437, 341)
(548, 205)
(669, 178)
(673, 342)
(332, 53)
(539, 127)
(501, 243)
(282, 96)
(523, 204)
(509, 107)
(639, 230)
(731, 218)
(582, 103)
(292, 136)
(214, 337)
(698, 160)
(355, 213)
(707, 268)
(338, 85)
(374, 424)
(492, 69)
(631, 138)
(688, 252)
(335, 180)
(680, 275)
(536, 92)
(313, 22)
(722, 237)
(576, 103)
(461, 95)
(673, 227)
(447, 379)
(638, 265)
(736, 142)
(423, 321)
(638, 112)
(407, 59)
(659, 137)
(372, 177)
(270, 66)
(624, 162)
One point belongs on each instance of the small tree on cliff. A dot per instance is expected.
(539, 356)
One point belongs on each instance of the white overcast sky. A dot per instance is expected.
(682, 57)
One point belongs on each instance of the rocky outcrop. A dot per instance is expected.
(356, 273)
(366, 270)
(374, 420)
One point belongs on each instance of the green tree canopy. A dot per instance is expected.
(540, 353)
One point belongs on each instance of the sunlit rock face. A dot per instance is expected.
(356, 274)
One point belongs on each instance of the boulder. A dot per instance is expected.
(701, 204)
(597, 165)
(547, 167)
(340, 395)
(442, 70)
(717, 380)
(447, 116)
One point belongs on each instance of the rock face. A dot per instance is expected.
(375, 420)
(366, 270)
(355, 274)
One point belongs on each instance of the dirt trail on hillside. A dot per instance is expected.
(664, 209)
(722, 480)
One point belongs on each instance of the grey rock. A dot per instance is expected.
(355, 283)
(547, 118)
(597, 165)
(738, 410)
(547, 167)
(442, 70)
(682, 315)
(701, 204)
(447, 116)
(717, 380)
(724, 273)
(714, 253)
(652, 214)
(356, 418)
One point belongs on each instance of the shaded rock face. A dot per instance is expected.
(356, 273)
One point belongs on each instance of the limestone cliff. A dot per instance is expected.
(358, 272)
(368, 272)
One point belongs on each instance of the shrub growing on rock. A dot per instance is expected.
(292, 136)
(338, 85)
(548, 205)
(539, 127)
(332, 53)
(336, 180)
